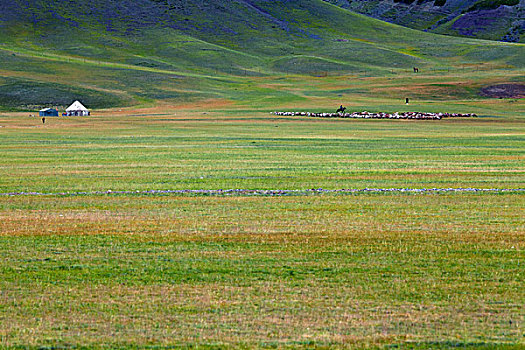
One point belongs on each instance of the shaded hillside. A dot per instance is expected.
(145, 50)
(197, 34)
(485, 19)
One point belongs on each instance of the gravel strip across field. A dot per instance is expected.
(381, 115)
(245, 192)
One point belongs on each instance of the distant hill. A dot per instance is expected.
(119, 52)
(502, 20)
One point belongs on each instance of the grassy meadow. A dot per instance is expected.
(231, 143)
(182, 99)
(342, 271)
(334, 270)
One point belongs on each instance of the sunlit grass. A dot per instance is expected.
(428, 270)
(362, 270)
(341, 270)
(223, 149)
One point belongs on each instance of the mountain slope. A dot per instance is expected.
(495, 20)
(167, 49)
(248, 29)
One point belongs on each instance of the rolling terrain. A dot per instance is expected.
(494, 20)
(184, 214)
(117, 54)
(87, 266)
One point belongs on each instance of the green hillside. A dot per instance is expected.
(182, 214)
(483, 19)
(118, 54)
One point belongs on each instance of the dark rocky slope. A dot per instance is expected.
(502, 20)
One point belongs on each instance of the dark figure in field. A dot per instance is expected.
(341, 109)
(406, 100)
(416, 70)
(43, 120)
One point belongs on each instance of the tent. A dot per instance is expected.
(48, 112)
(77, 109)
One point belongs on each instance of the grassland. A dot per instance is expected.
(238, 148)
(341, 271)
(193, 55)
(189, 107)
(346, 271)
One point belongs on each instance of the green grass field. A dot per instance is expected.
(346, 271)
(343, 271)
(189, 107)
(220, 149)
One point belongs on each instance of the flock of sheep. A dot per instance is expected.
(368, 115)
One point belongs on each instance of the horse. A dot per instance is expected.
(341, 109)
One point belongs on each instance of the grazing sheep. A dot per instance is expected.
(381, 115)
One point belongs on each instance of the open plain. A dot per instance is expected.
(184, 213)
(284, 270)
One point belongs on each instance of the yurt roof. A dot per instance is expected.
(76, 106)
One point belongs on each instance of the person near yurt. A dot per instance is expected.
(77, 109)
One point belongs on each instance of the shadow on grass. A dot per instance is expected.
(454, 345)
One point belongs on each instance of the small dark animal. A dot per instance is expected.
(416, 70)
(341, 109)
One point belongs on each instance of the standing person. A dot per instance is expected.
(406, 100)
(43, 120)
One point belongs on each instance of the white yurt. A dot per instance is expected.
(77, 109)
